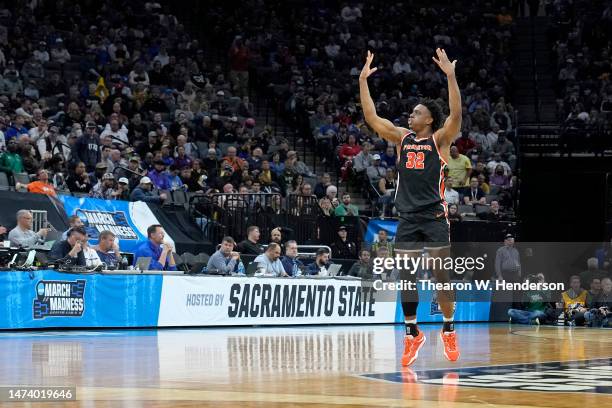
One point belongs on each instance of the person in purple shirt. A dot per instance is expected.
(160, 252)
(182, 160)
(498, 178)
(159, 177)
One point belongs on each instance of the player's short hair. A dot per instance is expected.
(436, 112)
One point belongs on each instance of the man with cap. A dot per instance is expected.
(376, 171)
(123, 189)
(87, 147)
(342, 248)
(105, 188)
(100, 170)
(158, 175)
(508, 261)
(143, 192)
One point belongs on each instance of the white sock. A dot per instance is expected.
(412, 321)
(448, 319)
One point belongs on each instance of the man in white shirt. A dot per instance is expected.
(269, 263)
(450, 195)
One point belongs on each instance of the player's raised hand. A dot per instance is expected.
(444, 63)
(367, 71)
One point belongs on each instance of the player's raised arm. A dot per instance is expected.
(452, 126)
(383, 127)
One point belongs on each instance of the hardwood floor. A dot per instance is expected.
(500, 366)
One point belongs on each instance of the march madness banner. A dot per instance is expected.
(127, 220)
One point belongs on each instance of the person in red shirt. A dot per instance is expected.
(347, 152)
(239, 66)
(465, 144)
(41, 186)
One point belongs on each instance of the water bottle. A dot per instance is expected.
(241, 270)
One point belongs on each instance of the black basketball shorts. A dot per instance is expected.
(427, 228)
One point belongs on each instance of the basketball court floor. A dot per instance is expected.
(500, 366)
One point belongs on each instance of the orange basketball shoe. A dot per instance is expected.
(412, 345)
(451, 351)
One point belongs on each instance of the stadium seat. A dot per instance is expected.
(491, 197)
(188, 258)
(202, 257)
(22, 178)
(4, 181)
(493, 189)
(179, 197)
(481, 208)
(463, 208)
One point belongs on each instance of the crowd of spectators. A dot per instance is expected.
(310, 57)
(580, 33)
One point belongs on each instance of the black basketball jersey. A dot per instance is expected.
(420, 173)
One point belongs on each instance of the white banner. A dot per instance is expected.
(225, 301)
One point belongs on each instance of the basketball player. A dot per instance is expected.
(423, 149)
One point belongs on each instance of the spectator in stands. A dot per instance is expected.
(594, 289)
(482, 184)
(499, 177)
(159, 176)
(160, 251)
(505, 149)
(376, 171)
(78, 181)
(364, 159)
(494, 213)
(474, 195)
(40, 186)
(465, 144)
(320, 264)
(451, 196)
(22, 236)
(143, 192)
(291, 264)
(325, 207)
(105, 188)
(386, 188)
(346, 208)
(269, 263)
(497, 161)
(382, 240)
(123, 189)
(87, 147)
(225, 259)
(508, 261)
(250, 245)
(70, 250)
(342, 248)
(362, 268)
(453, 213)
(108, 249)
(533, 306)
(10, 160)
(73, 222)
(592, 271)
(321, 187)
(604, 255)
(389, 157)
(459, 168)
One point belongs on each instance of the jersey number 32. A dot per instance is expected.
(415, 160)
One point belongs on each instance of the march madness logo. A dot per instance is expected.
(97, 221)
(59, 298)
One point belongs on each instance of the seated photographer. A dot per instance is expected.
(533, 307)
(225, 258)
(73, 221)
(292, 265)
(155, 248)
(598, 311)
(269, 263)
(108, 249)
(320, 264)
(22, 236)
(70, 250)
